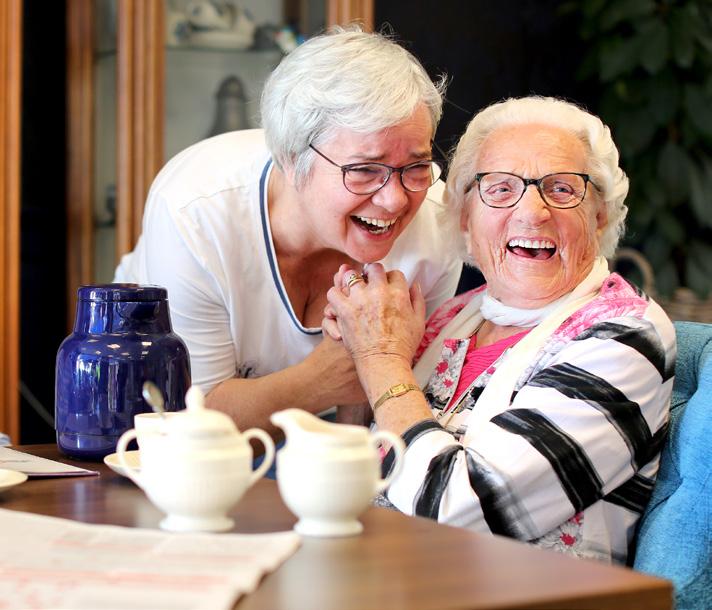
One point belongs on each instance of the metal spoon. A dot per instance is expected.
(154, 397)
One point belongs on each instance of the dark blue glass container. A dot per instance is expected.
(122, 337)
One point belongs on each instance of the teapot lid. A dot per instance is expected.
(121, 293)
(197, 422)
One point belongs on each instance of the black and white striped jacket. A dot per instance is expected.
(571, 462)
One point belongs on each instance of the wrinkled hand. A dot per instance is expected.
(338, 383)
(379, 317)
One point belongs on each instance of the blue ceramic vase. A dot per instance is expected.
(122, 337)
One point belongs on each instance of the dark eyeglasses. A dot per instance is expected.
(367, 178)
(504, 190)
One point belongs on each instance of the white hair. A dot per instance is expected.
(602, 162)
(346, 78)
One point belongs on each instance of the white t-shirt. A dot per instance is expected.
(206, 238)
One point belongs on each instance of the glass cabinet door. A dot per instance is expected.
(104, 129)
(216, 56)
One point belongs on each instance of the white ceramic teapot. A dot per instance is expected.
(197, 466)
(328, 473)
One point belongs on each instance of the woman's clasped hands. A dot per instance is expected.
(375, 313)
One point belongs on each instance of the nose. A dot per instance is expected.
(392, 196)
(532, 208)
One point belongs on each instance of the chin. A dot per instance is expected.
(366, 260)
(532, 293)
(370, 254)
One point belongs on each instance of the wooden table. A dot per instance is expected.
(398, 561)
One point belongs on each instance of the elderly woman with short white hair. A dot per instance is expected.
(538, 403)
(246, 229)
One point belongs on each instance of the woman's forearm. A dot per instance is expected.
(326, 377)
(398, 413)
(250, 402)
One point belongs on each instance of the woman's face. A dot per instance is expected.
(529, 277)
(364, 226)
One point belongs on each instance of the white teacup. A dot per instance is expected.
(150, 426)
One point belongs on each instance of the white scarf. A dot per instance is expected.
(498, 391)
(495, 311)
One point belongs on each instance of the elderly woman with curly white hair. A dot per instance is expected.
(538, 402)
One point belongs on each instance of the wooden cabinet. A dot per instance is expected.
(10, 73)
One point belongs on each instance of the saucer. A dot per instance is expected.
(10, 478)
(133, 459)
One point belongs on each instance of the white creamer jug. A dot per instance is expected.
(197, 466)
(328, 473)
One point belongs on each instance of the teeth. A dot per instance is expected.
(377, 222)
(531, 243)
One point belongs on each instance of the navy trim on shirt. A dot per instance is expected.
(270, 255)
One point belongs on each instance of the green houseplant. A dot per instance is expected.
(649, 64)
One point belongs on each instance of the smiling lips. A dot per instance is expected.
(538, 249)
(375, 226)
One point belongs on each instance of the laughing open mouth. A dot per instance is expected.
(375, 226)
(539, 249)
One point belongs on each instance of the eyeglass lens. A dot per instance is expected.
(369, 177)
(558, 190)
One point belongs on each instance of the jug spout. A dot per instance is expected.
(302, 427)
(294, 421)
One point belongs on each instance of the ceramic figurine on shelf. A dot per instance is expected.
(287, 40)
(220, 23)
(178, 28)
(266, 37)
(231, 111)
(210, 14)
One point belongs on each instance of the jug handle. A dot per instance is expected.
(399, 448)
(124, 440)
(268, 443)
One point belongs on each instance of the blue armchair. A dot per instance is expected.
(675, 532)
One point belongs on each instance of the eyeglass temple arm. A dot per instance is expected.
(324, 156)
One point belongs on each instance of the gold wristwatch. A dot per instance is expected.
(394, 391)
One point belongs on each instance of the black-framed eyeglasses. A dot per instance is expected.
(504, 190)
(367, 178)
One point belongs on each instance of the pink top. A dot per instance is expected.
(479, 358)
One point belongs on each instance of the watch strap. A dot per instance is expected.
(394, 391)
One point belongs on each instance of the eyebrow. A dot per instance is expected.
(418, 155)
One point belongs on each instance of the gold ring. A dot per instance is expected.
(354, 279)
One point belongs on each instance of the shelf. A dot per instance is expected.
(190, 49)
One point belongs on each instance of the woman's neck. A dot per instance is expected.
(490, 333)
(289, 237)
